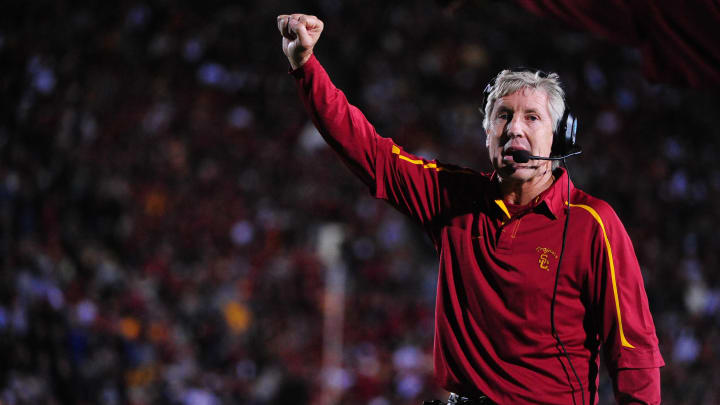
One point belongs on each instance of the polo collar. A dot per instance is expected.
(550, 202)
(556, 196)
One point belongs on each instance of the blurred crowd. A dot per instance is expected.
(162, 193)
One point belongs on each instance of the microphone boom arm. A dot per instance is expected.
(523, 156)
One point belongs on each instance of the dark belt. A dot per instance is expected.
(456, 399)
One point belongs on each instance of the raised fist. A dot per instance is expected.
(300, 32)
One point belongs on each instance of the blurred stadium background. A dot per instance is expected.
(174, 231)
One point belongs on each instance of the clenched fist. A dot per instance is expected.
(300, 32)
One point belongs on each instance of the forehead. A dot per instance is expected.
(526, 98)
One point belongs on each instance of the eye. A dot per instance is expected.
(533, 118)
(504, 116)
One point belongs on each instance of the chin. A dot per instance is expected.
(519, 173)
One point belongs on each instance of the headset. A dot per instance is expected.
(565, 136)
(564, 145)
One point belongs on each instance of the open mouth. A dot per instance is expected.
(507, 154)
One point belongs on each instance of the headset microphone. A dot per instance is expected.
(523, 156)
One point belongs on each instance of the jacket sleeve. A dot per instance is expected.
(406, 181)
(622, 313)
(637, 385)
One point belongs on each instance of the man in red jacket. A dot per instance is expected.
(521, 310)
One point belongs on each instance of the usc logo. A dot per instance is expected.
(544, 259)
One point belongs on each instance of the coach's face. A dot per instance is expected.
(520, 121)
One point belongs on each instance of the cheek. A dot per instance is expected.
(546, 141)
(492, 139)
(493, 145)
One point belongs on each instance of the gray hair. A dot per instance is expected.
(510, 81)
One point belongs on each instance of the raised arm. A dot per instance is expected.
(406, 181)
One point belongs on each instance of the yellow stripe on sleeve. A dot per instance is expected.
(413, 161)
(396, 151)
(612, 270)
(434, 166)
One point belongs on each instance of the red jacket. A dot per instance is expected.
(497, 270)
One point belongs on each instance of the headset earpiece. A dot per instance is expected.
(565, 136)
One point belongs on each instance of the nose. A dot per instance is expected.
(515, 126)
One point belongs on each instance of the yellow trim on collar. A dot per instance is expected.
(501, 204)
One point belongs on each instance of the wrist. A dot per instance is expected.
(297, 63)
